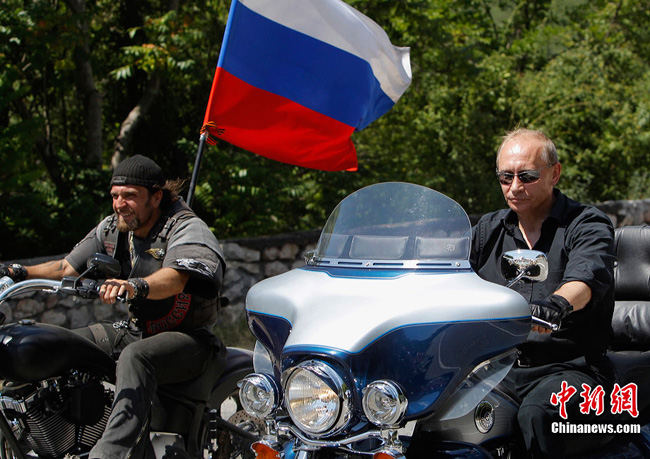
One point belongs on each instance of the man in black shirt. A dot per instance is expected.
(578, 294)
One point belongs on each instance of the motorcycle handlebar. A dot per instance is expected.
(542, 323)
(85, 288)
(29, 286)
(12, 289)
(122, 298)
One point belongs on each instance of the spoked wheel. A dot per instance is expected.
(236, 435)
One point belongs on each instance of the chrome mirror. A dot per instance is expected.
(524, 264)
(309, 257)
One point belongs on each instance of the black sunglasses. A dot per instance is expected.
(529, 176)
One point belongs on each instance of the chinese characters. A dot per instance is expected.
(622, 399)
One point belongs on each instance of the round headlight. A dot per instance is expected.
(317, 399)
(258, 395)
(384, 403)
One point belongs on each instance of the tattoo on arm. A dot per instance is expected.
(55, 263)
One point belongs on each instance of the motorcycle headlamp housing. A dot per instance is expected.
(384, 403)
(317, 398)
(259, 395)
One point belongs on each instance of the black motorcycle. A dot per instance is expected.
(58, 387)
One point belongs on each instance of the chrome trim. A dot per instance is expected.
(29, 285)
(263, 382)
(389, 388)
(524, 260)
(389, 264)
(484, 411)
(285, 428)
(335, 381)
(8, 403)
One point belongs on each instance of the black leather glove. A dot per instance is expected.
(552, 310)
(17, 272)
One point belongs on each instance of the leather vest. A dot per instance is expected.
(182, 312)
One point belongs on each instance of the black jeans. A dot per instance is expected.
(534, 386)
(143, 363)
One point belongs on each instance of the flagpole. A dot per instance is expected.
(197, 164)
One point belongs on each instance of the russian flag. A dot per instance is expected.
(296, 78)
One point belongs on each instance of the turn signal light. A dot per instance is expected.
(388, 455)
(265, 451)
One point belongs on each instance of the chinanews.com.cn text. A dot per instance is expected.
(606, 429)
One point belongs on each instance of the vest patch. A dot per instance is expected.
(110, 248)
(193, 265)
(173, 318)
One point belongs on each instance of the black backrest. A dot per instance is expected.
(631, 319)
(632, 273)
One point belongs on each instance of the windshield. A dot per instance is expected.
(395, 225)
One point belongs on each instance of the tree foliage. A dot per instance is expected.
(84, 84)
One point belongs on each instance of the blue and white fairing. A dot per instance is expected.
(389, 294)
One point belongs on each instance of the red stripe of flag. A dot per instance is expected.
(277, 128)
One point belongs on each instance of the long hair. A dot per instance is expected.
(171, 192)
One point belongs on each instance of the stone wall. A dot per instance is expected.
(249, 261)
(627, 213)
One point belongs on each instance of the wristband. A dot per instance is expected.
(19, 272)
(140, 288)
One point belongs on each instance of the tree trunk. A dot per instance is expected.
(123, 143)
(134, 118)
(92, 99)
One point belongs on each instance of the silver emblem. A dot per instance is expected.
(158, 254)
(193, 265)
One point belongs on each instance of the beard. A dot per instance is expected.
(125, 227)
(136, 222)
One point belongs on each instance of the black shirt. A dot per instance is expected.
(579, 242)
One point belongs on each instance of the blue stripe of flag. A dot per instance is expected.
(302, 69)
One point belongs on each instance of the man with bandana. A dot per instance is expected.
(171, 272)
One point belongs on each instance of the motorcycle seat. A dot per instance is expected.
(633, 367)
(631, 317)
(630, 344)
(631, 326)
(197, 389)
(632, 272)
(180, 405)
